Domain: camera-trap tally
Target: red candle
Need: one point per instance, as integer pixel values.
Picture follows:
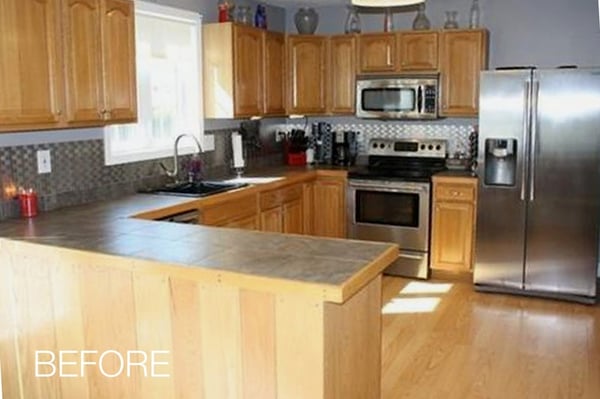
(29, 203)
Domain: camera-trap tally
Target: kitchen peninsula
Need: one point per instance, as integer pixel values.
(235, 314)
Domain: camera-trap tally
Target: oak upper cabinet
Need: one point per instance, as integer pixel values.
(282, 210)
(274, 72)
(463, 54)
(377, 52)
(329, 212)
(306, 74)
(118, 41)
(453, 223)
(30, 79)
(342, 74)
(418, 51)
(248, 64)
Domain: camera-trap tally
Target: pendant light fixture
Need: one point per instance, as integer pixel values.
(386, 3)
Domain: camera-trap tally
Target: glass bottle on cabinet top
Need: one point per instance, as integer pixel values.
(388, 21)
(421, 22)
(352, 21)
(451, 22)
(474, 15)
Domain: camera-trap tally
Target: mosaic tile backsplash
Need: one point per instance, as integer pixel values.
(79, 175)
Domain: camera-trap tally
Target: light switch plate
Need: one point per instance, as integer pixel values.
(44, 162)
(208, 144)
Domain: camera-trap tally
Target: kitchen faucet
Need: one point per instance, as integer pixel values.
(173, 173)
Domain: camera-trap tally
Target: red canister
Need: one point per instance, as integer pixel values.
(29, 203)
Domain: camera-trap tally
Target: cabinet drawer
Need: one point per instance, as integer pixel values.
(271, 199)
(454, 192)
(230, 210)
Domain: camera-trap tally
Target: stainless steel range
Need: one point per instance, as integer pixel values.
(389, 199)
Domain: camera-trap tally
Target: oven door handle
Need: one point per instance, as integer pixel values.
(410, 189)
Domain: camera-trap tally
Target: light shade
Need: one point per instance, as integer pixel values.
(385, 3)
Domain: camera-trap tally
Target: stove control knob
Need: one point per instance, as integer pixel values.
(430, 147)
(438, 147)
(423, 146)
(374, 145)
(382, 146)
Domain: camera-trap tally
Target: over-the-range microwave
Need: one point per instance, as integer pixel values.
(397, 97)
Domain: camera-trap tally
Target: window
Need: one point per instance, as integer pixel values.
(169, 86)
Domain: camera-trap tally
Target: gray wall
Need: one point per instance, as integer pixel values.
(545, 33)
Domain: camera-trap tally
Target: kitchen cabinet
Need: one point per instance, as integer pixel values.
(99, 52)
(31, 85)
(463, 54)
(274, 72)
(232, 211)
(237, 60)
(329, 212)
(342, 74)
(453, 223)
(418, 51)
(306, 74)
(308, 192)
(282, 210)
(377, 52)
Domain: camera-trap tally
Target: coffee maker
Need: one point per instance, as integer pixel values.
(344, 148)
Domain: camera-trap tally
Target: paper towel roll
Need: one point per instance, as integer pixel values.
(238, 154)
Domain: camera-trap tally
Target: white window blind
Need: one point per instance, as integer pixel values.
(169, 86)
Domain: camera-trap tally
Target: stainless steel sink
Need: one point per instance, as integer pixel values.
(198, 189)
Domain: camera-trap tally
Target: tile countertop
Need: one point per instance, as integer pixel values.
(108, 228)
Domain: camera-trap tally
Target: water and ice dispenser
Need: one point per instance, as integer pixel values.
(500, 162)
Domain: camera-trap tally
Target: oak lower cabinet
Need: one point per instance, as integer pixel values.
(418, 51)
(31, 85)
(306, 74)
(377, 52)
(329, 212)
(342, 55)
(453, 223)
(282, 210)
(240, 211)
(463, 54)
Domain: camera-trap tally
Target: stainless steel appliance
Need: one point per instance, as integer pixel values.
(389, 199)
(345, 148)
(397, 97)
(539, 202)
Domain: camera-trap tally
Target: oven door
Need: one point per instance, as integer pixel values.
(395, 212)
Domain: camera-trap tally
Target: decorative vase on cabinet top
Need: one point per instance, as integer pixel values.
(306, 20)
(421, 22)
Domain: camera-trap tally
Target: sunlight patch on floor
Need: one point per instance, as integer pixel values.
(419, 287)
(411, 305)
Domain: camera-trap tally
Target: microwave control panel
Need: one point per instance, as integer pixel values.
(430, 99)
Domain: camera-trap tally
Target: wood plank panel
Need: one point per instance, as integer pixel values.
(352, 332)
(186, 329)
(257, 312)
(221, 351)
(153, 322)
(299, 340)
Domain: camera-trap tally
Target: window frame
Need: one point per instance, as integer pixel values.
(186, 146)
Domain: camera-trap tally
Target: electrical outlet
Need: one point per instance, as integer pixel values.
(44, 162)
(208, 143)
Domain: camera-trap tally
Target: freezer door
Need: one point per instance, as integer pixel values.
(504, 115)
(563, 197)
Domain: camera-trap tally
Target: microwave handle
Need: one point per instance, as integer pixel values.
(419, 99)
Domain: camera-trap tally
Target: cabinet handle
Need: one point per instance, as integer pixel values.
(58, 112)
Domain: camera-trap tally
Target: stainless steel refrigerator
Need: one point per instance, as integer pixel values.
(538, 166)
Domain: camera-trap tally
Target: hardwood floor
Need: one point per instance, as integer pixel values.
(462, 344)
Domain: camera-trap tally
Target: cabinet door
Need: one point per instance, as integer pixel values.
(248, 61)
(272, 220)
(83, 60)
(118, 38)
(306, 74)
(293, 217)
(452, 235)
(377, 52)
(463, 54)
(329, 208)
(418, 51)
(30, 68)
(342, 73)
(274, 73)
(247, 223)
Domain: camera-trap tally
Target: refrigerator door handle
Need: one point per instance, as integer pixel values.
(526, 131)
(534, 138)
